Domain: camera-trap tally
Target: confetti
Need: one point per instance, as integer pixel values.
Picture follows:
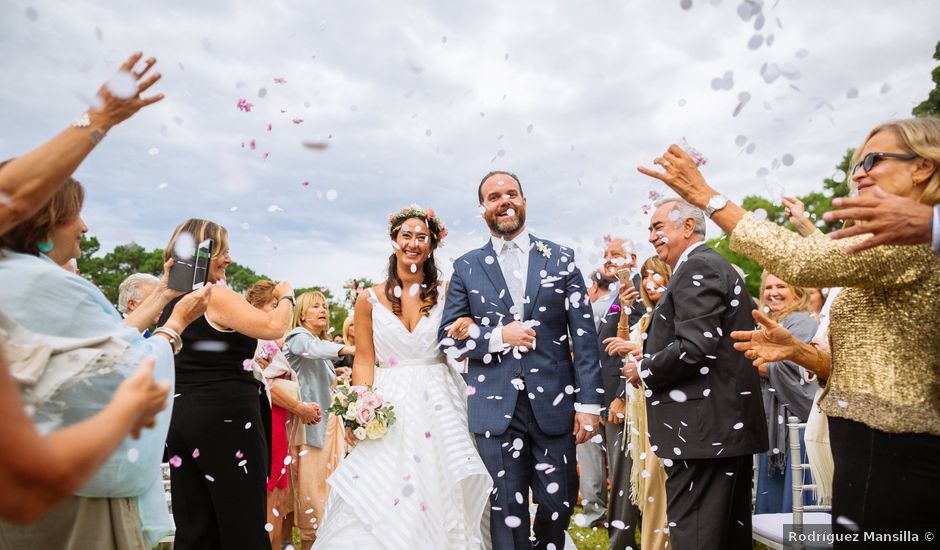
(244, 105)
(175, 461)
(331, 195)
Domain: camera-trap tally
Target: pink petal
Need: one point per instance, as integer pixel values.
(195, 453)
(176, 461)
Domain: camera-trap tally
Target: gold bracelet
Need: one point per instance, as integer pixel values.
(623, 328)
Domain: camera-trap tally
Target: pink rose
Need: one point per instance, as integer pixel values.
(360, 390)
(370, 400)
(365, 415)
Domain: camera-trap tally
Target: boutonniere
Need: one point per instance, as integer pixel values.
(546, 251)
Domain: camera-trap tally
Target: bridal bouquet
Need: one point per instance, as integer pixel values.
(363, 411)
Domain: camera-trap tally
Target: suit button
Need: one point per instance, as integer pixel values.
(517, 374)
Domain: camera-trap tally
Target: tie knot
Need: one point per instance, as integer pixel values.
(510, 245)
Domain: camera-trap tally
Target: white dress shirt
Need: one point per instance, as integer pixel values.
(524, 242)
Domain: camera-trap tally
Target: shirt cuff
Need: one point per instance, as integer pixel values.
(935, 241)
(589, 409)
(496, 340)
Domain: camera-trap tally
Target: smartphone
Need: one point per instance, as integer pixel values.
(623, 275)
(191, 273)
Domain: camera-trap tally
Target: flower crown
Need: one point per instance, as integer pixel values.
(414, 211)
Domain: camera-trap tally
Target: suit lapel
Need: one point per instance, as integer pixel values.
(533, 284)
(494, 273)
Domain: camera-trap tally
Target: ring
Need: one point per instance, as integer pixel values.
(666, 164)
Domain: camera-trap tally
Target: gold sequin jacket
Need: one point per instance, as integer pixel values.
(884, 326)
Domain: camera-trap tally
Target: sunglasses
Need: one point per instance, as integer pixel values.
(873, 158)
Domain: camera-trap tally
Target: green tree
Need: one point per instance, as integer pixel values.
(931, 105)
(108, 271)
(815, 203)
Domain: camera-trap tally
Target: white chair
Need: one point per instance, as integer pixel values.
(768, 529)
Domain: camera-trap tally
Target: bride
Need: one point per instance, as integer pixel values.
(423, 484)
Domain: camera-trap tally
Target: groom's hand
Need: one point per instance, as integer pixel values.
(585, 426)
(515, 334)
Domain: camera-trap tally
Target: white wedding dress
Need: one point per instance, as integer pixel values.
(423, 485)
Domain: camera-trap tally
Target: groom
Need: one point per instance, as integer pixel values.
(531, 402)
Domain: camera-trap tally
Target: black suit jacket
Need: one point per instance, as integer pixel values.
(611, 365)
(706, 400)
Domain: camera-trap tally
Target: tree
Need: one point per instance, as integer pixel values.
(931, 105)
(109, 271)
(816, 203)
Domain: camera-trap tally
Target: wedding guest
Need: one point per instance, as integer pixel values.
(647, 476)
(288, 417)
(623, 517)
(343, 366)
(124, 503)
(311, 355)
(884, 331)
(699, 387)
(785, 393)
(592, 472)
(134, 290)
(216, 441)
(27, 182)
(816, 299)
(36, 471)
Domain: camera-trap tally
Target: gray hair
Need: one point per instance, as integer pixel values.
(686, 211)
(130, 289)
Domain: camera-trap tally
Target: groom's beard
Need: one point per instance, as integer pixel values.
(507, 227)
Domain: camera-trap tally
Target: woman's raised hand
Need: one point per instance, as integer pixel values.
(121, 96)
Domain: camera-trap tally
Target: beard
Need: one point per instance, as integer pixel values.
(605, 279)
(507, 227)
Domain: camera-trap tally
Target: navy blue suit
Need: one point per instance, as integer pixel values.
(524, 436)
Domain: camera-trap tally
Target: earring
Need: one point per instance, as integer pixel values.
(45, 246)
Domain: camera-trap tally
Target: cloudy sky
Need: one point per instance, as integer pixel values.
(417, 100)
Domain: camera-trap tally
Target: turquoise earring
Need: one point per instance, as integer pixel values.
(45, 246)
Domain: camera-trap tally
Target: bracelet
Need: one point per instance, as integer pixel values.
(289, 298)
(176, 341)
(623, 328)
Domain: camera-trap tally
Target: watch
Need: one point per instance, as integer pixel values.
(716, 203)
(289, 299)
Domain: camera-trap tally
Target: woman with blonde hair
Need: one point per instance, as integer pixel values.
(883, 371)
(648, 477)
(311, 354)
(216, 442)
(785, 392)
(289, 415)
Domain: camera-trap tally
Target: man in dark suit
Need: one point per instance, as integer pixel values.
(705, 414)
(533, 399)
(623, 518)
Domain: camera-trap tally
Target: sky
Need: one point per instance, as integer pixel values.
(418, 100)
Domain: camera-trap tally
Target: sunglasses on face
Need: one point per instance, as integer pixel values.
(871, 159)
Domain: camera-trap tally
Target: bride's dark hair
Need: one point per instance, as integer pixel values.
(429, 290)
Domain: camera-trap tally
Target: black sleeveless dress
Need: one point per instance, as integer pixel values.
(217, 439)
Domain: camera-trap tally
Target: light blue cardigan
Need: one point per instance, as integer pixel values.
(46, 299)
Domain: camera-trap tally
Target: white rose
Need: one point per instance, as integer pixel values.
(375, 429)
(360, 433)
(352, 411)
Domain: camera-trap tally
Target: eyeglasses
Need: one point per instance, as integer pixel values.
(873, 158)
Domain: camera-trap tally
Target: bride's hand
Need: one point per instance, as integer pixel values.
(460, 330)
(350, 438)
